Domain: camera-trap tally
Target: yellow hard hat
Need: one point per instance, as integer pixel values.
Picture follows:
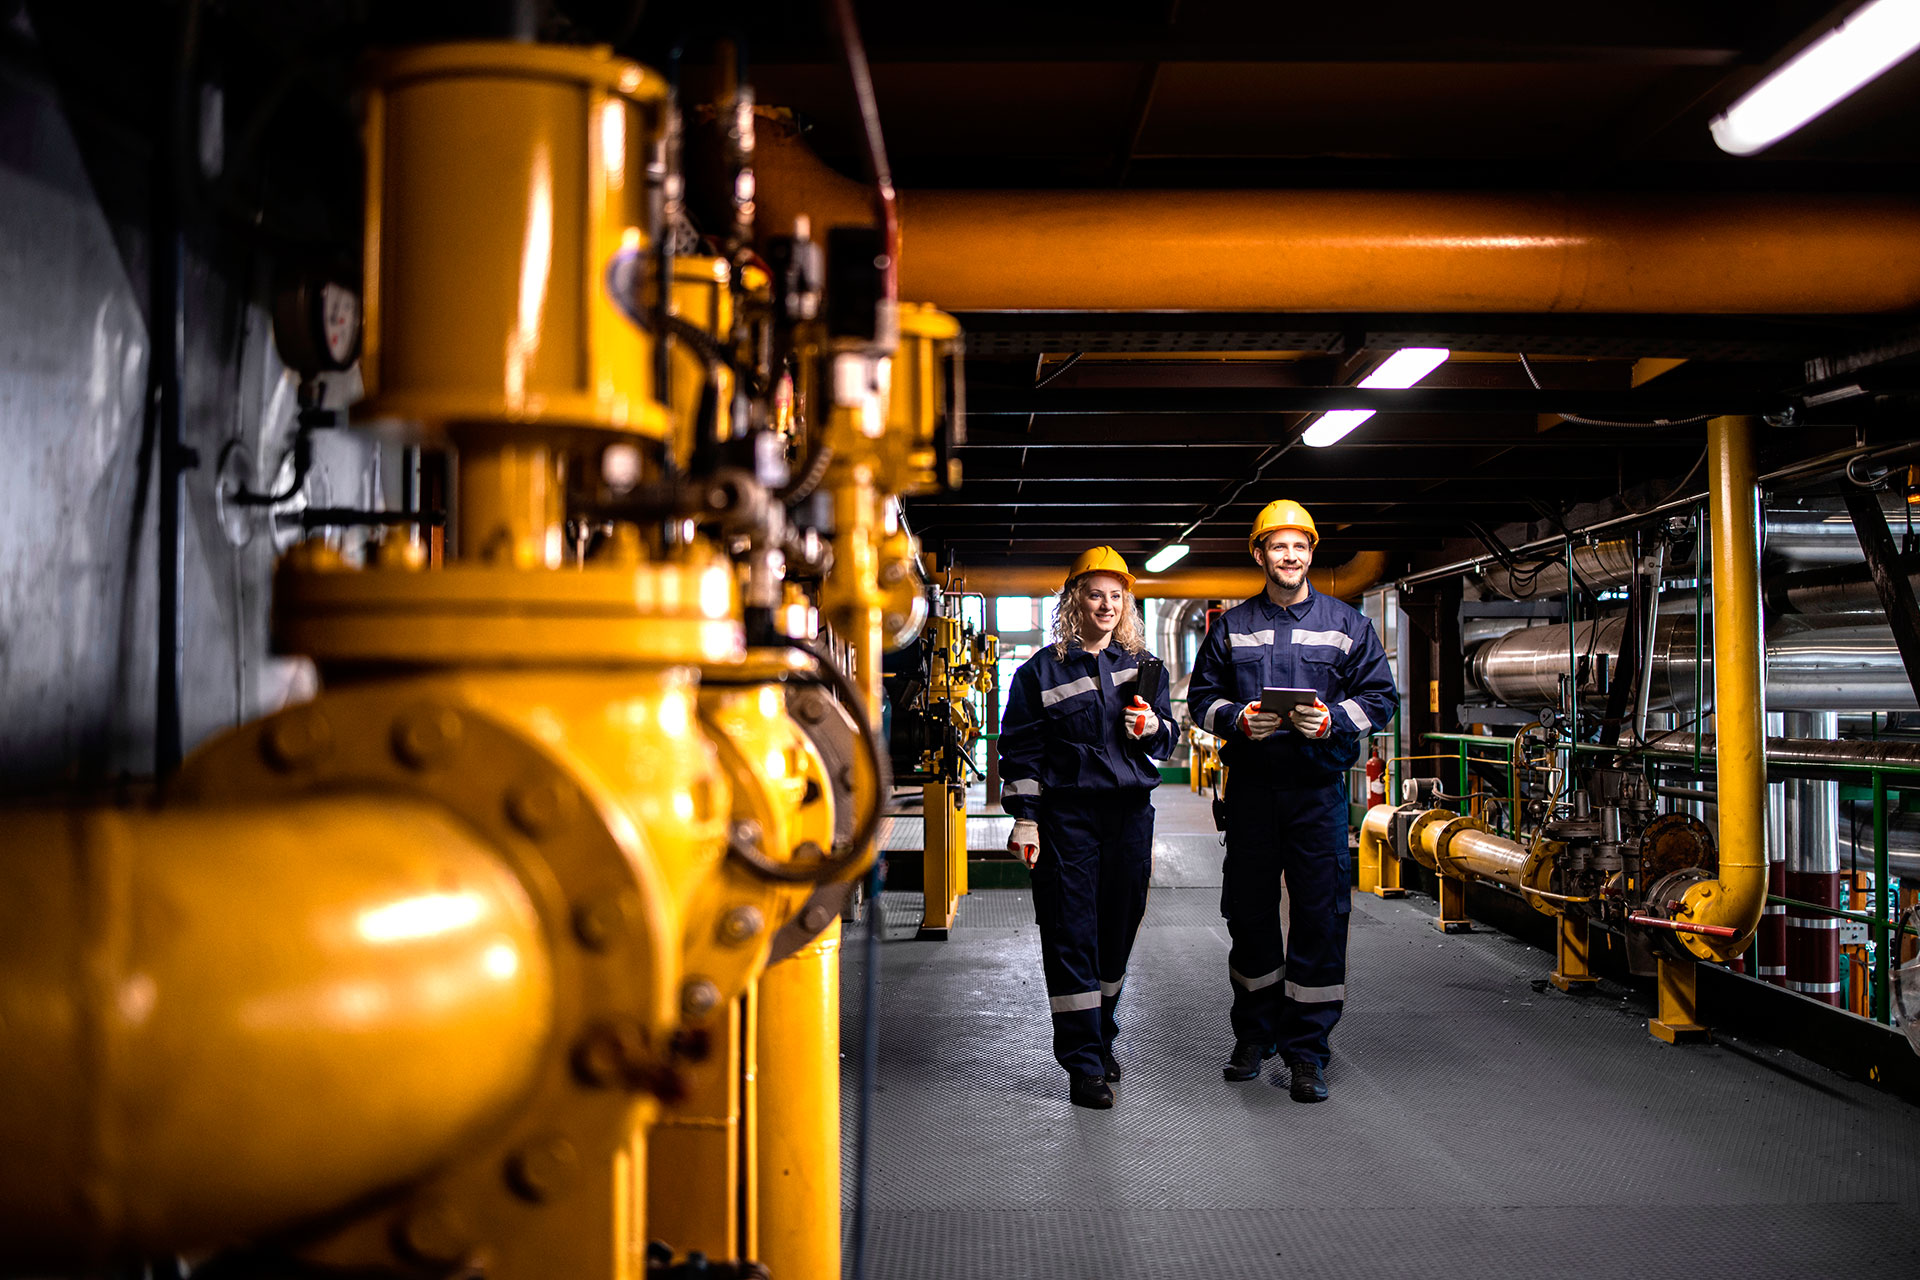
(1282, 513)
(1101, 560)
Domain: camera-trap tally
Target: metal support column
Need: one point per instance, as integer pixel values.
(1573, 953)
(944, 862)
(1678, 1019)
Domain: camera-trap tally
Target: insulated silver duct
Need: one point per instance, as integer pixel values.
(1854, 669)
(1812, 804)
(1822, 533)
(1601, 567)
(1903, 841)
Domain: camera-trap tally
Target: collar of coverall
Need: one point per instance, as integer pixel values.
(1292, 612)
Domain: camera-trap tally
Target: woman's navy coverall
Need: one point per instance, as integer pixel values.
(1287, 807)
(1068, 765)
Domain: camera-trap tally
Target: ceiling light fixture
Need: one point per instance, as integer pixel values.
(1402, 369)
(1166, 557)
(1873, 38)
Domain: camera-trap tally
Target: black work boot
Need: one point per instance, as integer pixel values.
(1112, 1064)
(1308, 1083)
(1246, 1059)
(1089, 1091)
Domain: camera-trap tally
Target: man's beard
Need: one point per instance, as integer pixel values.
(1273, 576)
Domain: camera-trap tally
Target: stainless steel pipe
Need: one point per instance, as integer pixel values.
(1851, 669)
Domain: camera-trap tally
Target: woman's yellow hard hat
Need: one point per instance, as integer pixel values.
(1282, 513)
(1101, 560)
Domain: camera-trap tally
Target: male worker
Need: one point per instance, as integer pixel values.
(1286, 795)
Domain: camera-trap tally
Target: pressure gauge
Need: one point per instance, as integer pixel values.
(339, 323)
(316, 321)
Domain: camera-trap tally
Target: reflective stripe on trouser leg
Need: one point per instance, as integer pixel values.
(1250, 890)
(1084, 861)
(1318, 875)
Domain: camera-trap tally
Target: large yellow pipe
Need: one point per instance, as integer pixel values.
(799, 1110)
(222, 1021)
(1379, 251)
(1343, 581)
(1733, 496)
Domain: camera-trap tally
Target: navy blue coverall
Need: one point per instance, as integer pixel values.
(1287, 807)
(1068, 765)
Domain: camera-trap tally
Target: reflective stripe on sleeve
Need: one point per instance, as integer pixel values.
(1333, 639)
(1250, 639)
(1075, 1003)
(1022, 787)
(1355, 714)
(1208, 717)
(1316, 995)
(1071, 689)
(1112, 989)
(1245, 983)
(1121, 677)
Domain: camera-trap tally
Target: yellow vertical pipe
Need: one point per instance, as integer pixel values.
(798, 1111)
(1737, 897)
(511, 505)
(693, 1153)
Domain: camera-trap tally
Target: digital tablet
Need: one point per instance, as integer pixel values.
(1281, 701)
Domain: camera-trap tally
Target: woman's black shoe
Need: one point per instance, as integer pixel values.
(1246, 1059)
(1090, 1091)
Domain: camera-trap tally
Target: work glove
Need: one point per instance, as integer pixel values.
(1312, 722)
(1257, 724)
(1140, 720)
(1025, 841)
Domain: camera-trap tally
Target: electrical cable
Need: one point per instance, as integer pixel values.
(873, 144)
(1608, 422)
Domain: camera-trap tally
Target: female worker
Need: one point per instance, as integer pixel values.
(1076, 754)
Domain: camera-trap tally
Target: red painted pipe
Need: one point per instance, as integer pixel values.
(1813, 939)
(1710, 930)
(1773, 928)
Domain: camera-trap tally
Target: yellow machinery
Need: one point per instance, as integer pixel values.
(961, 662)
(516, 948)
(1602, 853)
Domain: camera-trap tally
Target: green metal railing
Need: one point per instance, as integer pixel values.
(1882, 780)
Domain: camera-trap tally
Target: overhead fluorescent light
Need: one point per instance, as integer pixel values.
(1166, 557)
(1404, 368)
(1873, 38)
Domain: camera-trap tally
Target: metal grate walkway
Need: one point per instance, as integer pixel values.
(1477, 1126)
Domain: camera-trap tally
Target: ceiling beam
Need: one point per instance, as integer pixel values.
(1646, 403)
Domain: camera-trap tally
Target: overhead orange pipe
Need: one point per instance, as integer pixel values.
(1342, 581)
(1379, 251)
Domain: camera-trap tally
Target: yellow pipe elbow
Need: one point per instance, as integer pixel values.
(224, 1020)
(1737, 898)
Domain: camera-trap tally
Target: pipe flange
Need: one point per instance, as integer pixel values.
(1537, 875)
(1666, 900)
(1444, 837)
(1675, 842)
(613, 954)
(1417, 844)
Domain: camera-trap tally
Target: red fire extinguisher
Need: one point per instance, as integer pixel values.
(1376, 777)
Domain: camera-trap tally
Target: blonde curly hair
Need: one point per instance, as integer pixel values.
(1070, 623)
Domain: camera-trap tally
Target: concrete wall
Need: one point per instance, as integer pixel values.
(77, 483)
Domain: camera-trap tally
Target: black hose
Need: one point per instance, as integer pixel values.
(869, 1067)
(170, 176)
(863, 832)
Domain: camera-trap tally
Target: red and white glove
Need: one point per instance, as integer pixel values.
(1257, 724)
(1140, 720)
(1025, 841)
(1312, 722)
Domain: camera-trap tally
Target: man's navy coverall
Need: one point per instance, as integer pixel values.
(1287, 807)
(1068, 765)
